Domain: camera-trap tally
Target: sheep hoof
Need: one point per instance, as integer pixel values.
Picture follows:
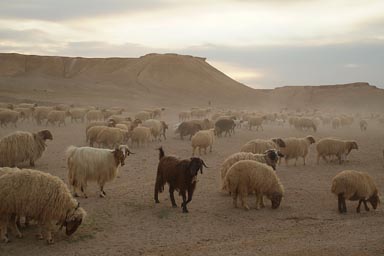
(102, 195)
(174, 205)
(50, 241)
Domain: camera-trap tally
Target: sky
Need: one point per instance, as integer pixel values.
(261, 43)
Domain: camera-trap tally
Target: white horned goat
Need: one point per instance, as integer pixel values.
(93, 164)
(20, 146)
(40, 196)
(296, 147)
(334, 147)
(354, 185)
(248, 176)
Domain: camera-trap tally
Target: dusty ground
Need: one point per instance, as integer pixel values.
(128, 222)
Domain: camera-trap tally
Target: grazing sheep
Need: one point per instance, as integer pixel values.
(256, 121)
(19, 147)
(9, 116)
(188, 128)
(334, 147)
(110, 137)
(93, 164)
(40, 196)
(363, 125)
(259, 146)
(296, 147)
(57, 116)
(203, 139)
(92, 133)
(180, 174)
(141, 135)
(110, 123)
(41, 113)
(270, 157)
(354, 185)
(94, 115)
(248, 176)
(78, 114)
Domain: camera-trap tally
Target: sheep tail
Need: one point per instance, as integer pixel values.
(161, 153)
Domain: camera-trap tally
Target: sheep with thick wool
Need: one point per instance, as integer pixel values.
(296, 147)
(155, 126)
(94, 115)
(256, 121)
(94, 164)
(110, 137)
(41, 113)
(354, 185)
(203, 139)
(269, 157)
(57, 116)
(334, 147)
(78, 114)
(9, 116)
(248, 176)
(40, 196)
(259, 146)
(140, 135)
(20, 146)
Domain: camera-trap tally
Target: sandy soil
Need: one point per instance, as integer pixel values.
(128, 222)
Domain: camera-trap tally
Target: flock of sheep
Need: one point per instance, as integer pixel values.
(252, 170)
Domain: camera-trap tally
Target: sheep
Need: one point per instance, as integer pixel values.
(269, 157)
(40, 196)
(6, 105)
(110, 123)
(164, 127)
(143, 115)
(111, 137)
(259, 146)
(354, 185)
(184, 115)
(41, 113)
(57, 116)
(336, 123)
(334, 147)
(363, 125)
(296, 147)
(188, 128)
(203, 139)
(248, 176)
(180, 174)
(93, 164)
(25, 113)
(94, 115)
(226, 125)
(256, 121)
(78, 114)
(9, 116)
(20, 146)
(140, 135)
(155, 126)
(26, 105)
(305, 124)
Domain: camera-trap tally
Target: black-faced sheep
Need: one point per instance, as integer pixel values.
(247, 176)
(334, 147)
(180, 174)
(93, 164)
(354, 185)
(40, 196)
(21, 146)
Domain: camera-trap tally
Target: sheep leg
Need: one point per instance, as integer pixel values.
(172, 196)
(210, 148)
(102, 192)
(32, 163)
(3, 230)
(358, 206)
(365, 205)
(199, 151)
(83, 188)
(243, 199)
(184, 204)
(234, 197)
(14, 227)
(341, 203)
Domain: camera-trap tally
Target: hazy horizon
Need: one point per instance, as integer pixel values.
(262, 44)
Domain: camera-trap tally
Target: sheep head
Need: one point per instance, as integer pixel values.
(374, 200)
(119, 155)
(310, 139)
(196, 164)
(276, 199)
(45, 135)
(351, 145)
(73, 219)
(271, 157)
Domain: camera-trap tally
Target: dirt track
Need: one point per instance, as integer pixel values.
(127, 221)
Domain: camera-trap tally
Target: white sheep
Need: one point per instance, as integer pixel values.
(93, 164)
(155, 126)
(110, 137)
(334, 147)
(203, 139)
(78, 114)
(248, 176)
(259, 146)
(269, 157)
(20, 146)
(41, 113)
(256, 121)
(57, 116)
(363, 125)
(353, 185)
(143, 115)
(296, 147)
(9, 116)
(94, 115)
(141, 135)
(40, 196)
(25, 113)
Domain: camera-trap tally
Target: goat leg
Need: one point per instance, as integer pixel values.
(172, 196)
(365, 205)
(184, 204)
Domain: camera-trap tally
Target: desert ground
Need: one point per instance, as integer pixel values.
(128, 222)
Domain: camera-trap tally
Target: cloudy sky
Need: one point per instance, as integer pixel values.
(261, 43)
